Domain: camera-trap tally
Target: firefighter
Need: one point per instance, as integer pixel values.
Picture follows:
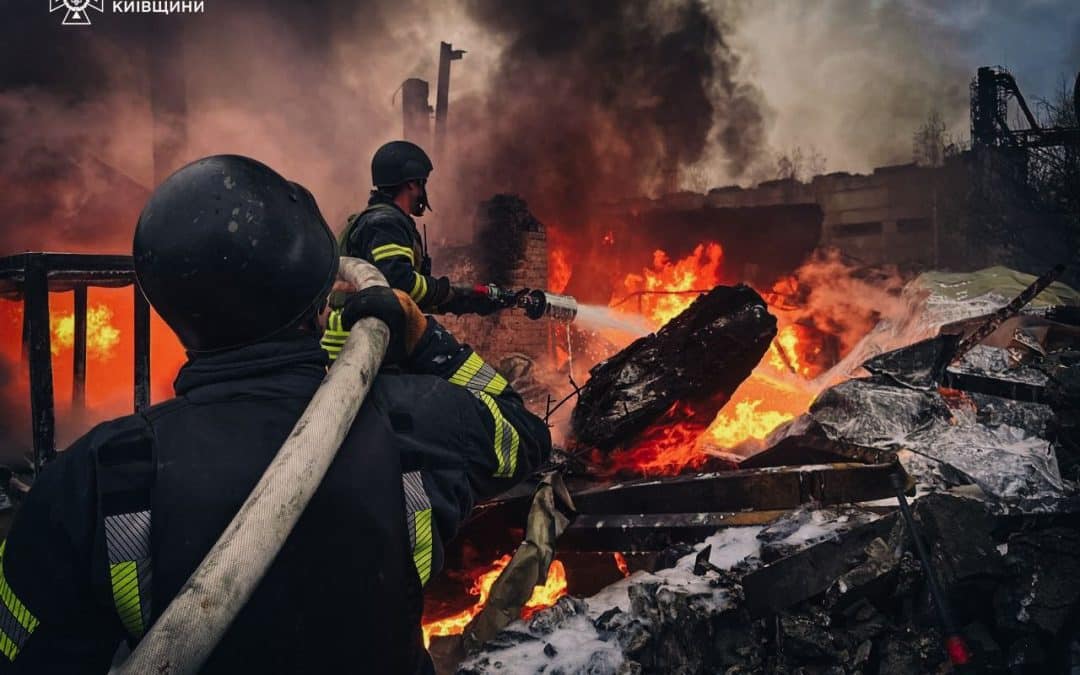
(238, 262)
(385, 233)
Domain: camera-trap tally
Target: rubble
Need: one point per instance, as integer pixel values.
(1003, 445)
(1014, 586)
(791, 586)
(698, 358)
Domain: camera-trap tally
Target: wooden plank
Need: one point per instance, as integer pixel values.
(808, 573)
(748, 489)
(653, 532)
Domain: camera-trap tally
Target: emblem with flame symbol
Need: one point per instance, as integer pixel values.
(75, 11)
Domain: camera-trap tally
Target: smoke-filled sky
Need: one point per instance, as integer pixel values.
(568, 103)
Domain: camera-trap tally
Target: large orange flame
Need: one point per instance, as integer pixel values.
(778, 390)
(662, 292)
(483, 578)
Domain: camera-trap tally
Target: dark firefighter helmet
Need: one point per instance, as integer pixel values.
(399, 162)
(229, 253)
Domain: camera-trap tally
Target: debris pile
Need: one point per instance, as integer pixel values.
(990, 438)
(852, 600)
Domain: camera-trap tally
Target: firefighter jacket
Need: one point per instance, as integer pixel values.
(386, 236)
(113, 528)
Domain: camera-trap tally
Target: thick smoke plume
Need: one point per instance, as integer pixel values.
(597, 101)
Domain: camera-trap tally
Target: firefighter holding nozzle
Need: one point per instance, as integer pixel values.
(385, 233)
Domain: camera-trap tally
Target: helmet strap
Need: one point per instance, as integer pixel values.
(425, 205)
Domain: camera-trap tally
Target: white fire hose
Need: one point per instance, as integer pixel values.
(191, 626)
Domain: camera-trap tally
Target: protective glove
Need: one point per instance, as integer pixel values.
(395, 308)
(467, 302)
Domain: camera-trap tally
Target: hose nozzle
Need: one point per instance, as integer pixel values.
(552, 305)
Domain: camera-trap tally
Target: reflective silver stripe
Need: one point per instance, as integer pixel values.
(419, 519)
(14, 630)
(416, 500)
(127, 543)
(476, 375)
(127, 536)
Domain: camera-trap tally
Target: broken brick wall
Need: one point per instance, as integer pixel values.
(506, 333)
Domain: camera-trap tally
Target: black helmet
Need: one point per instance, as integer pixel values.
(230, 253)
(399, 162)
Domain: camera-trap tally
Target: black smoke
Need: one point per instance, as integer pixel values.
(591, 103)
(597, 101)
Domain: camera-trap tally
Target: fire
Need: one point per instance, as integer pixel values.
(102, 336)
(558, 270)
(110, 361)
(543, 596)
(547, 595)
(665, 290)
(667, 447)
(746, 422)
(778, 390)
(560, 261)
(620, 562)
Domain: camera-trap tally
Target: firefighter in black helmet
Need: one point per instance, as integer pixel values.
(385, 234)
(239, 261)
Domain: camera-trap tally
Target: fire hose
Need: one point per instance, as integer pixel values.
(189, 629)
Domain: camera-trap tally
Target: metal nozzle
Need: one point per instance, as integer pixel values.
(559, 307)
(538, 304)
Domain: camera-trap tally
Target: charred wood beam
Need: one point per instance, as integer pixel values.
(142, 350)
(809, 573)
(78, 360)
(757, 489)
(993, 386)
(814, 448)
(653, 532)
(700, 357)
(36, 308)
(65, 271)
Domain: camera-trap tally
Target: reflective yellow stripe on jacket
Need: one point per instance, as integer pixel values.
(419, 288)
(16, 621)
(476, 375)
(392, 251)
(506, 439)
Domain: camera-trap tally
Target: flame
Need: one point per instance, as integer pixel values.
(778, 390)
(746, 422)
(109, 362)
(663, 291)
(542, 596)
(102, 336)
(667, 447)
(547, 595)
(620, 562)
(558, 270)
